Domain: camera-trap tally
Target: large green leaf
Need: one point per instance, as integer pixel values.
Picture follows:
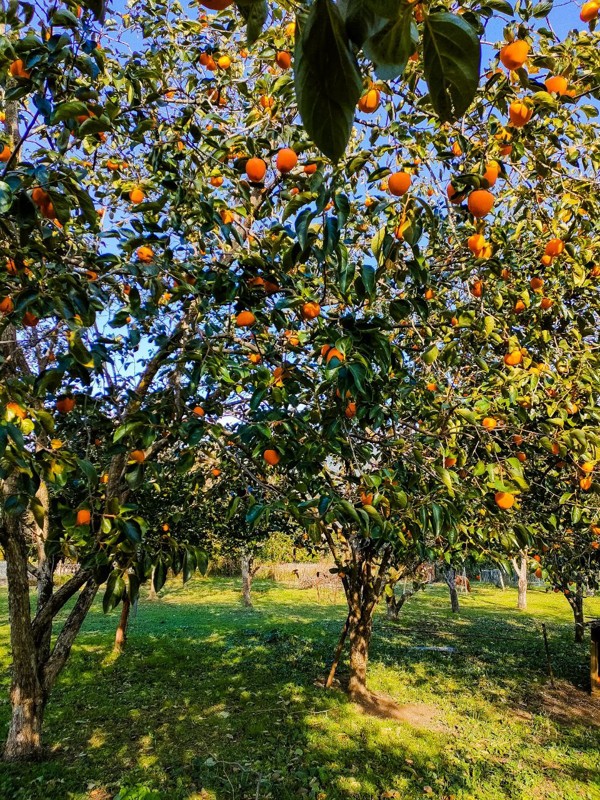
(327, 79)
(361, 20)
(255, 13)
(452, 58)
(392, 46)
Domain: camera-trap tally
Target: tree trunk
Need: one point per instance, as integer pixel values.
(576, 602)
(45, 569)
(338, 653)
(520, 567)
(247, 579)
(450, 577)
(121, 634)
(391, 607)
(26, 695)
(500, 580)
(152, 594)
(360, 638)
(24, 740)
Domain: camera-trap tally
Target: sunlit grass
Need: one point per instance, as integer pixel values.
(212, 701)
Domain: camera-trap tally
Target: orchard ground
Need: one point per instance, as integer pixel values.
(212, 701)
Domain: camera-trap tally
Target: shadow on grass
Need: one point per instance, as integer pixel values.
(218, 702)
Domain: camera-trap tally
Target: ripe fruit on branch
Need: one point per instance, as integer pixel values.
(520, 113)
(334, 353)
(310, 310)
(66, 404)
(245, 319)
(83, 517)
(369, 102)
(17, 69)
(589, 11)
(286, 160)
(514, 54)
(145, 254)
(271, 456)
(480, 202)
(136, 195)
(256, 170)
(557, 84)
(513, 359)
(504, 500)
(554, 247)
(283, 59)
(399, 183)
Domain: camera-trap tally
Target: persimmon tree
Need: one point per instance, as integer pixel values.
(383, 323)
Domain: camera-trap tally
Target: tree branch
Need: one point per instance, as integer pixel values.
(66, 637)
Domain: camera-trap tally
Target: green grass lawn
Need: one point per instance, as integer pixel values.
(215, 702)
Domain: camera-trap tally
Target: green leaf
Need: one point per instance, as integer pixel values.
(160, 575)
(97, 7)
(6, 197)
(392, 46)
(362, 21)
(233, 507)
(255, 15)
(383, 8)
(349, 509)
(115, 586)
(69, 110)
(38, 511)
(201, 560)
(446, 479)
(429, 356)
(451, 58)
(502, 6)
(377, 242)
(367, 273)
(327, 79)
(88, 470)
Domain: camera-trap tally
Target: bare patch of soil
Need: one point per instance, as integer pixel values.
(382, 706)
(419, 715)
(569, 705)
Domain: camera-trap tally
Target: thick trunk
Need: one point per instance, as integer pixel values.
(26, 695)
(520, 567)
(24, 740)
(247, 579)
(360, 638)
(121, 634)
(450, 577)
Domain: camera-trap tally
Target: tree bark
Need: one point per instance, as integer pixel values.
(520, 567)
(576, 603)
(360, 638)
(450, 577)
(391, 607)
(45, 569)
(121, 633)
(247, 579)
(27, 698)
(338, 653)
(152, 593)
